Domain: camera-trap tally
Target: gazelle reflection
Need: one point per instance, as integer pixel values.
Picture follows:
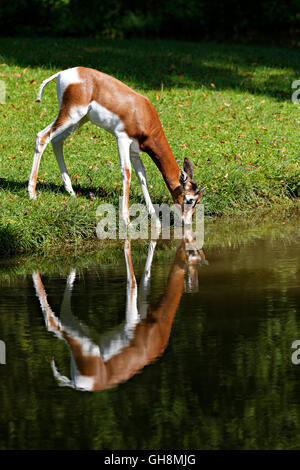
(137, 342)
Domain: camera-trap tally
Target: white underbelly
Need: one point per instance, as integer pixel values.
(104, 118)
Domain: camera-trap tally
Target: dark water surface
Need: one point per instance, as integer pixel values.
(208, 366)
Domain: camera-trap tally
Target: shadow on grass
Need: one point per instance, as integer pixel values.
(87, 192)
(148, 64)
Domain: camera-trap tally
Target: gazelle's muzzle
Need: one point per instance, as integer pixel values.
(187, 214)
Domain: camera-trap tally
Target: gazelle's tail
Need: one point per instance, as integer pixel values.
(39, 96)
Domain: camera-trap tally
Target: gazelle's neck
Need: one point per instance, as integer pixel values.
(159, 150)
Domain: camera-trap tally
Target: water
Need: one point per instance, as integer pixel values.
(208, 366)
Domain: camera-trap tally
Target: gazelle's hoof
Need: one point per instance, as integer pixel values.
(157, 223)
(126, 221)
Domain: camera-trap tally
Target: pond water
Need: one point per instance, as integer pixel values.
(155, 349)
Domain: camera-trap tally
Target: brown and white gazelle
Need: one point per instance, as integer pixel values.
(141, 339)
(86, 94)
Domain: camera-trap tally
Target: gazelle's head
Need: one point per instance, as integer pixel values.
(190, 194)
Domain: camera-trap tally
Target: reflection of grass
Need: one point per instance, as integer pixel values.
(227, 108)
(224, 232)
(279, 224)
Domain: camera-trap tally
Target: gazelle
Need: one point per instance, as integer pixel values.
(86, 94)
(137, 342)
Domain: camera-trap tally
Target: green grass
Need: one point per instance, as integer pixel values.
(226, 107)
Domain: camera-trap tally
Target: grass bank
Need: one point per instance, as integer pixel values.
(226, 107)
(231, 233)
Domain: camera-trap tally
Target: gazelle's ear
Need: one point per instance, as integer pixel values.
(188, 168)
(201, 193)
(183, 177)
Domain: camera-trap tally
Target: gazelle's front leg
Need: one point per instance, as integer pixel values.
(132, 315)
(145, 282)
(124, 153)
(141, 174)
(66, 302)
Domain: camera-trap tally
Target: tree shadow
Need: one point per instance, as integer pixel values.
(150, 63)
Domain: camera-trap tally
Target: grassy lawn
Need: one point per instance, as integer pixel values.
(226, 107)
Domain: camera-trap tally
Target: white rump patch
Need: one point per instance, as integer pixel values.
(64, 79)
(84, 382)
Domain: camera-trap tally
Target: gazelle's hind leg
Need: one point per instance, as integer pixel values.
(57, 145)
(58, 130)
(58, 151)
(42, 140)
